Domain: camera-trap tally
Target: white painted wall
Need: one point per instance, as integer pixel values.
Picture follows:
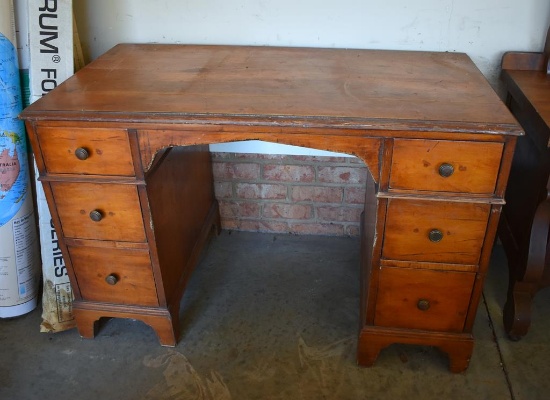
(483, 29)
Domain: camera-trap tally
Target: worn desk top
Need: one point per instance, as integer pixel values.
(362, 89)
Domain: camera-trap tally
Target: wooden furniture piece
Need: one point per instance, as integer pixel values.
(524, 228)
(120, 150)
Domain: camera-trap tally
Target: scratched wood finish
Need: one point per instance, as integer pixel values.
(108, 150)
(385, 107)
(281, 86)
(416, 163)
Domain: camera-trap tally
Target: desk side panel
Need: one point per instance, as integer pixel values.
(181, 198)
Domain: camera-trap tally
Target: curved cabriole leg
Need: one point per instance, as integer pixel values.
(521, 291)
(517, 313)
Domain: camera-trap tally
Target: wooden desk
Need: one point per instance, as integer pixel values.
(121, 150)
(524, 228)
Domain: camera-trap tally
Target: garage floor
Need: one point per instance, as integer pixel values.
(272, 317)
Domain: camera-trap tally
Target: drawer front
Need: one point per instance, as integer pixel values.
(443, 166)
(435, 231)
(423, 299)
(99, 211)
(114, 275)
(86, 151)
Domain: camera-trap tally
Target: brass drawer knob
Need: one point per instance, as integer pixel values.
(435, 235)
(96, 215)
(111, 279)
(423, 304)
(446, 170)
(81, 153)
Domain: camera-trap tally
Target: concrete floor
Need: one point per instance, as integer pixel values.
(272, 317)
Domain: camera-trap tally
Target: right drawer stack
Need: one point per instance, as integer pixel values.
(434, 232)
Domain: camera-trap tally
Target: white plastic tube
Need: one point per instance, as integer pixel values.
(19, 256)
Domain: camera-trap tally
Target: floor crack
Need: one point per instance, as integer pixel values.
(495, 339)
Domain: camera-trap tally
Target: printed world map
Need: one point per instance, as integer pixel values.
(9, 168)
(13, 150)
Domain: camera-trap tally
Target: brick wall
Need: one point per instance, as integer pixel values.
(290, 194)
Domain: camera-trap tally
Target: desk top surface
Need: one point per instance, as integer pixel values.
(364, 89)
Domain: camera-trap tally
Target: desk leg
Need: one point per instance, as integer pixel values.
(372, 340)
(87, 316)
(522, 289)
(517, 310)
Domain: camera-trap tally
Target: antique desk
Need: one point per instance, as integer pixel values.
(524, 227)
(122, 152)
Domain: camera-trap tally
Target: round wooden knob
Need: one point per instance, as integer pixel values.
(96, 215)
(435, 235)
(446, 170)
(81, 153)
(111, 279)
(423, 304)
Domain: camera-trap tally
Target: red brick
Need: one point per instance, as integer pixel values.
(277, 157)
(223, 190)
(229, 170)
(339, 214)
(317, 229)
(288, 211)
(342, 175)
(319, 194)
(273, 226)
(249, 224)
(217, 155)
(230, 224)
(354, 195)
(289, 173)
(320, 159)
(255, 225)
(239, 209)
(260, 191)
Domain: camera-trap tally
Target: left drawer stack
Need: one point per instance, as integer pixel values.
(91, 179)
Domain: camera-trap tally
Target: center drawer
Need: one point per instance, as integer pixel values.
(99, 211)
(435, 231)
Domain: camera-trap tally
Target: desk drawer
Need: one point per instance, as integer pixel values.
(435, 231)
(86, 151)
(444, 166)
(423, 299)
(99, 211)
(114, 275)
